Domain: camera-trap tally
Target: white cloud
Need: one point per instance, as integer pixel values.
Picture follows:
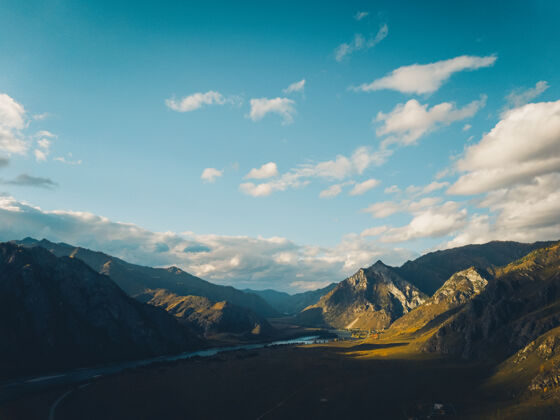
(211, 174)
(338, 169)
(360, 15)
(295, 87)
(374, 231)
(393, 189)
(12, 113)
(427, 78)
(236, 260)
(383, 209)
(62, 159)
(196, 101)
(281, 106)
(360, 43)
(519, 97)
(268, 170)
(332, 191)
(523, 145)
(525, 213)
(12, 121)
(431, 187)
(432, 222)
(40, 155)
(467, 127)
(365, 186)
(406, 123)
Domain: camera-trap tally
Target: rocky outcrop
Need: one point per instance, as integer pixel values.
(430, 271)
(370, 299)
(455, 292)
(521, 303)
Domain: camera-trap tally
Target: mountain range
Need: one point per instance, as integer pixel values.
(136, 279)
(56, 312)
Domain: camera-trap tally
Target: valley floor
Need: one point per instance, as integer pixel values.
(359, 379)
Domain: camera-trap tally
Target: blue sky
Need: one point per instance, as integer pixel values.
(102, 136)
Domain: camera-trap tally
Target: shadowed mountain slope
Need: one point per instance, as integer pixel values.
(430, 271)
(135, 279)
(58, 313)
(370, 299)
(521, 303)
(209, 317)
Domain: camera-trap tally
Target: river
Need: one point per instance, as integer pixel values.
(20, 387)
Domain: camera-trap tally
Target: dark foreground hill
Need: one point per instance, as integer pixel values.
(210, 318)
(135, 279)
(56, 312)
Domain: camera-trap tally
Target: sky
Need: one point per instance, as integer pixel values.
(279, 144)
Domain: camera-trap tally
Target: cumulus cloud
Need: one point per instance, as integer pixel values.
(520, 97)
(25, 180)
(427, 78)
(337, 169)
(360, 43)
(295, 87)
(523, 145)
(364, 186)
(12, 121)
(281, 106)
(406, 123)
(384, 209)
(197, 100)
(525, 213)
(268, 170)
(240, 261)
(211, 174)
(430, 222)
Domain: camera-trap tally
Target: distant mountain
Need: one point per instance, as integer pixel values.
(210, 318)
(430, 271)
(135, 279)
(521, 303)
(56, 312)
(291, 304)
(370, 299)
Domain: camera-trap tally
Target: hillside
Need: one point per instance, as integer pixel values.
(431, 270)
(210, 318)
(56, 312)
(370, 299)
(455, 292)
(521, 303)
(135, 279)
